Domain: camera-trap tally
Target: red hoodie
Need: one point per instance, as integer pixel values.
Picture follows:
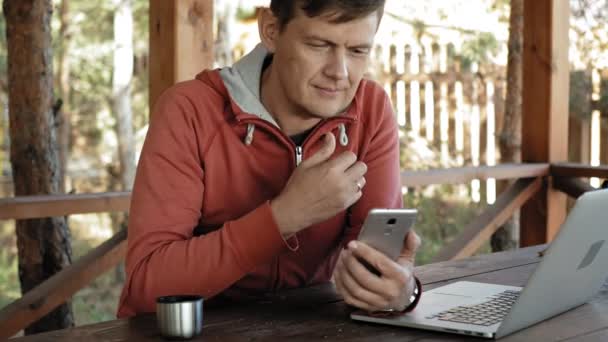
(208, 164)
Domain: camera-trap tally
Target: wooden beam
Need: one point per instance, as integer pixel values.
(461, 175)
(572, 187)
(29, 207)
(545, 110)
(578, 170)
(181, 42)
(57, 289)
(482, 228)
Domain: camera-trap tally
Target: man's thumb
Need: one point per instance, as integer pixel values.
(323, 154)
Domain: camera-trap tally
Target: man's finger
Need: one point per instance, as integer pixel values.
(356, 171)
(352, 301)
(343, 161)
(324, 153)
(410, 246)
(359, 286)
(354, 198)
(377, 259)
(364, 276)
(338, 283)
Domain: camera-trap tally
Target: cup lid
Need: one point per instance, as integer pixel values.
(178, 299)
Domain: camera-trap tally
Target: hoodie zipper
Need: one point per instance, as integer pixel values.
(298, 150)
(299, 155)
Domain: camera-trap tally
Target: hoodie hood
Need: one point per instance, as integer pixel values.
(242, 83)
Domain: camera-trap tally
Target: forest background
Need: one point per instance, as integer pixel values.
(100, 46)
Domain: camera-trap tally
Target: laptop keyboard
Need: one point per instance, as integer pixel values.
(484, 314)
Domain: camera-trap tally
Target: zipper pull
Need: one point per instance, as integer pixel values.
(299, 154)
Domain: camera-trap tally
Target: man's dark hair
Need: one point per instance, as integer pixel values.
(345, 10)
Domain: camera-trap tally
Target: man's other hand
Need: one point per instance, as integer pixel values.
(390, 290)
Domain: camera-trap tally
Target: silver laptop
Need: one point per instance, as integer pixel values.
(573, 270)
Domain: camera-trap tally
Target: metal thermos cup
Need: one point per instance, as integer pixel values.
(179, 317)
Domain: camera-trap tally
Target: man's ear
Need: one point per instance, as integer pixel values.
(268, 27)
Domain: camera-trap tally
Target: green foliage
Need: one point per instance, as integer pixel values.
(90, 56)
(588, 23)
(94, 303)
(479, 49)
(441, 217)
(97, 302)
(580, 93)
(245, 13)
(603, 103)
(9, 282)
(443, 211)
(503, 7)
(2, 49)
(91, 63)
(420, 28)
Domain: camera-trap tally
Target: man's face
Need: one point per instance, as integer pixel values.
(320, 64)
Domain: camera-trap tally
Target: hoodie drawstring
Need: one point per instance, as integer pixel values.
(249, 136)
(343, 136)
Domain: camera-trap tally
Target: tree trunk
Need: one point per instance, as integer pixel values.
(43, 244)
(123, 74)
(225, 19)
(509, 139)
(5, 189)
(63, 83)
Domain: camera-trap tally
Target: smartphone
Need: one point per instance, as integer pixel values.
(385, 229)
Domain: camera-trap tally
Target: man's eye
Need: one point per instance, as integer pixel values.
(361, 52)
(317, 45)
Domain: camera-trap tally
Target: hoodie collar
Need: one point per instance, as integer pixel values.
(242, 81)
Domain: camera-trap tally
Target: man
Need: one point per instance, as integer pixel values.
(258, 177)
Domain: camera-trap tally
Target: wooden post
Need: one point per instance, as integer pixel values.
(181, 42)
(545, 110)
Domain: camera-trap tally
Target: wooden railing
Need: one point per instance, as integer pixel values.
(38, 302)
(529, 179)
(463, 175)
(28, 207)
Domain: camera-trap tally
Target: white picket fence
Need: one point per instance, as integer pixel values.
(452, 108)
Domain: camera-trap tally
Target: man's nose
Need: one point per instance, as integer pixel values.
(337, 67)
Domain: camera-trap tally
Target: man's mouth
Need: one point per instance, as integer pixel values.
(329, 91)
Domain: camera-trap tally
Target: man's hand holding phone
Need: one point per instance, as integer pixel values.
(390, 290)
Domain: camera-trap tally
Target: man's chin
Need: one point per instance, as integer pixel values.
(328, 113)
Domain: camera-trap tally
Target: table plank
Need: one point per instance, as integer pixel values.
(318, 314)
(601, 335)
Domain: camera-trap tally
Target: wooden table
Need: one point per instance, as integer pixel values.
(318, 314)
